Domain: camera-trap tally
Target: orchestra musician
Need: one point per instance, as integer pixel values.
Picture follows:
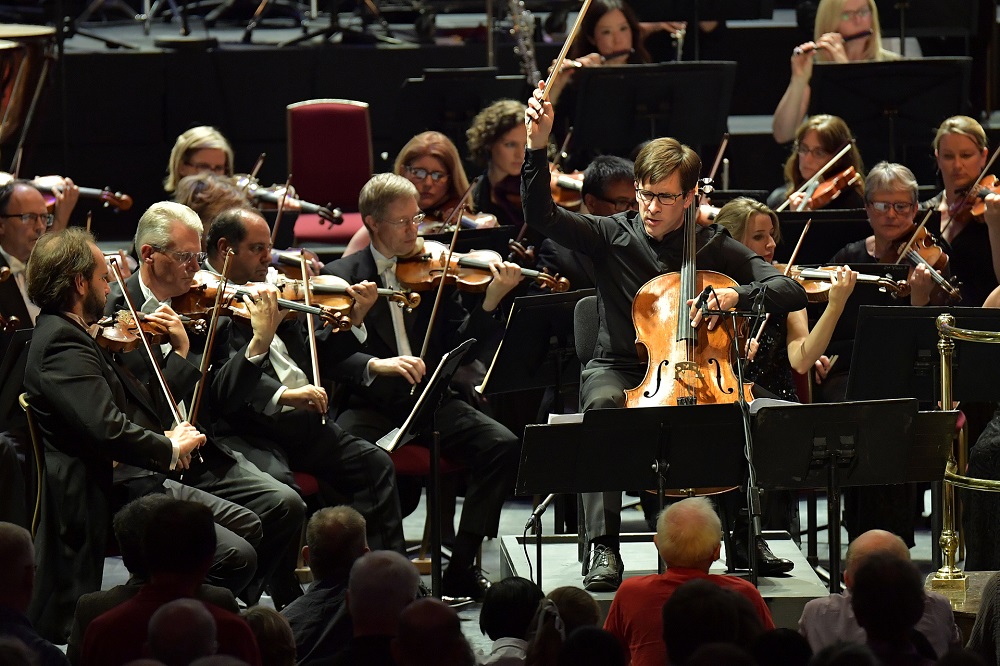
(837, 28)
(628, 249)
(818, 139)
(279, 427)
(377, 380)
(431, 162)
(496, 142)
(24, 217)
(168, 243)
(198, 150)
(91, 411)
(961, 149)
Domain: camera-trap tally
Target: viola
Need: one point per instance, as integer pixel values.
(566, 187)
(924, 250)
(469, 271)
(199, 301)
(817, 282)
(331, 291)
(829, 189)
(440, 221)
(46, 184)
(272, 197)
(119, 334)
(972, 206)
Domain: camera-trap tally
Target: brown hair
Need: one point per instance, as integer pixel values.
(55, 262)
(964, 125)
(489, 125)
(833, 135)
(659, 158)
(436, 145)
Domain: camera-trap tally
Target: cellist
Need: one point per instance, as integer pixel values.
(628, 249)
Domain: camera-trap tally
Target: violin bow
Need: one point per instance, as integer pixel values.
(311, 328)
(557, 65)
(206, 358)
(90, 217)
(444, 269)
(174, 410)
(905, 250)
(718, 156)
(256, 168)
(281, 209)
(816, 176)
(751, 352)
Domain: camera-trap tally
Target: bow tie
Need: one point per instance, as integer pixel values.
(385, 264)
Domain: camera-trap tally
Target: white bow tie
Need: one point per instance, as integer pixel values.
(384, 264)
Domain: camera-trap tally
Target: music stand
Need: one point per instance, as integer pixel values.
(722, 197)
(660, 452)
(830, 231)
(924, 18)
(893, 105)
(685, 100)
(12, 366)
(537, 348)
(837, 445)
(421, 420)
(447, 100)
(492, 238)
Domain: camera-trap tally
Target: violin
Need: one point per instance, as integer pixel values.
(923, 249)
(469, 271)
(273, 196)
(331, 291)
(972, 206)
(566, 188)
(439, 221)
(199, 302)
(119, 334)
(46, 184)
(830, 189)
(817, 282)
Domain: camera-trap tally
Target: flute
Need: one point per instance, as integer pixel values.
(809, 48)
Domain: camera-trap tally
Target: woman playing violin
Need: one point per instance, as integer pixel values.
(817, 140)
(961, 150)
(845, 31)
(496, 141)
(891, 204)
(787, 343)
(198, 150)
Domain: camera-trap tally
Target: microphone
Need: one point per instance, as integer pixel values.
(702, 300)
(536, 515)
(799, 50)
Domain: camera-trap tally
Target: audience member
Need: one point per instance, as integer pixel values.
(559, 614)
(17, 582)
(984, 639)
(700, 612)
(178, 545)
(781, 647)
(381, 585)
(181, 631)
(720, 654)
(845, 654)
(274, 636)
(591, 646)
(13, 652)
(429, 634)
(129, 525)
(888, 600)
(506, 614)
(961, 658)
(335, 538)
(830, 619)
(689, 539)
(219, 660)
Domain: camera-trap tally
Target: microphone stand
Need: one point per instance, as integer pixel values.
(535, 521)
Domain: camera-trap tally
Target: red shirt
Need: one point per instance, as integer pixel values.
(636, 616)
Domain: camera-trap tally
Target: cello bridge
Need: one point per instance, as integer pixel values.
(682, 367)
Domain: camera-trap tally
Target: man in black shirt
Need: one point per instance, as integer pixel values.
(628, 249)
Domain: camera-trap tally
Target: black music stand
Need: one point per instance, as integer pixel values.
(924, 18)
(12, 364)
(421, 420)
(893, 106)
(447, 100)
(686, 100)
(837, 445)
(668, 447)
(537, 347)
(491, 238)
(830, 231)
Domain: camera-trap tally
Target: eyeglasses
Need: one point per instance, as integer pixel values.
(623, 204)
(204, 166)
(901, 207)
(182, 257)
(862, 13)
(421, 173)
(664, 198)
(818, 153)
(34, 218)
(415, 221)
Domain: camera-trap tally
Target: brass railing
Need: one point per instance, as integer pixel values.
(950, 576)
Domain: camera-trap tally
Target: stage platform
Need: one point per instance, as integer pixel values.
(785, 595)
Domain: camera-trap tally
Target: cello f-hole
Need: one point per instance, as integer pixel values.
(659, 371)
(718, 376)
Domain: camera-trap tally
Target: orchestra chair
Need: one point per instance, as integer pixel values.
(38, 453)
(415, 461)
(330, 159)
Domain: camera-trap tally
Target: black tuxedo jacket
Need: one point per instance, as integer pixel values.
(453, 326)
(11, 301)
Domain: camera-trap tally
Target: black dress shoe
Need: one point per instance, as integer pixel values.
(605, 572)
(768, 564)
(469, 582)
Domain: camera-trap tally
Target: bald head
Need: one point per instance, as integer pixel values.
(182, 631)
(869, 543)
(689, 534)
(17, 566)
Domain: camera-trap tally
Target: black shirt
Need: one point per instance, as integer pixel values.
(970, 257)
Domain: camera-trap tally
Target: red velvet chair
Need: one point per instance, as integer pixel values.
(330, 159)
